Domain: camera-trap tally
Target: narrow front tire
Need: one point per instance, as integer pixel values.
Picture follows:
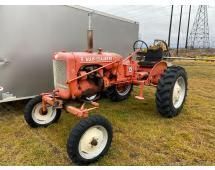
(89, 140)
(36, 118)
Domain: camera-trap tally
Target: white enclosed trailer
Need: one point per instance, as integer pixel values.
(30, 35)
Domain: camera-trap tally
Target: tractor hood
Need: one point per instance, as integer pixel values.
(87, 57)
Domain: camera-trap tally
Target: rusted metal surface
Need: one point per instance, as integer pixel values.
(90, 40)
(114, 70)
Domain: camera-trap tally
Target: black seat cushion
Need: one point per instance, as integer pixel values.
(152, 57)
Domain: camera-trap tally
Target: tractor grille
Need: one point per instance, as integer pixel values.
(60, 79)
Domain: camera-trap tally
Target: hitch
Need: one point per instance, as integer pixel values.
(82, 111)
(51, 99)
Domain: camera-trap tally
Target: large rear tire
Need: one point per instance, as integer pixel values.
(35, 118)
(117, 93)
(89, 140)
(171, 91)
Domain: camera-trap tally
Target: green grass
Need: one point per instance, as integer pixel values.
(141, 135)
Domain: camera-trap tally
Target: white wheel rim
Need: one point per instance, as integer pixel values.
(178, 92)
(43, 118)
(91, 97)
(125, 91)
(93, 142)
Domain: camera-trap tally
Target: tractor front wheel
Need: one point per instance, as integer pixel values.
(89, 140)
(171, 91)
(34, 115)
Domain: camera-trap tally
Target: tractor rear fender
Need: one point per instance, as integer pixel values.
(155, 73)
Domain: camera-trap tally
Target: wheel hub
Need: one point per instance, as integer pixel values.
(179, 92)
(43, 112)
(93, 141)
(41, 117)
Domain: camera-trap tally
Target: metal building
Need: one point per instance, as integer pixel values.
(31, 34)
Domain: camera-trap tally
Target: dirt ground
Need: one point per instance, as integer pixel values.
(141, 135)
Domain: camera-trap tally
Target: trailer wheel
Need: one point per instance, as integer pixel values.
(117, 93)
(171, 91)
(89, 140)
(34, 116)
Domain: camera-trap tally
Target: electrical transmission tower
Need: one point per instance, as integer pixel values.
(199, 35)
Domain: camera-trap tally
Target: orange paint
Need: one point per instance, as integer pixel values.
(111, 69)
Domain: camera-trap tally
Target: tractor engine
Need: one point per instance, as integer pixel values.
(92, 83)
(71, 73)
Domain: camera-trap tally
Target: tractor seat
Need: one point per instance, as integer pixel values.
(152, 57)
(142, 75)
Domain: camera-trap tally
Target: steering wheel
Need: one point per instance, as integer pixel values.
(139, 44)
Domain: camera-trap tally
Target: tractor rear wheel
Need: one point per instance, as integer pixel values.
(35, 118)
(119, 93)
(171, 91)
(89, 140)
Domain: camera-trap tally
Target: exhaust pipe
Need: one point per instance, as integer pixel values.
(90, 33)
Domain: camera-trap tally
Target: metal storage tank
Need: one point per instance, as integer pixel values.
(31, 34)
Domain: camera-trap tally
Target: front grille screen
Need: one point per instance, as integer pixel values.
(59, 67)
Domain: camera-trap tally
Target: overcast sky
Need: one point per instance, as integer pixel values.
(154, 20)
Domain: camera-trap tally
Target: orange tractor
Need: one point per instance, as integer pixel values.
(82, 76)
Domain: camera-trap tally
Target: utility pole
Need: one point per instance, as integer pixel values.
(179, 30)
(170, 26)
(188, 25)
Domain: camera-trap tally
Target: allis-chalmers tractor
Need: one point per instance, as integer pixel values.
(80, 76)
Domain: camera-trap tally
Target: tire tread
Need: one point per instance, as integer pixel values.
(164, 91)
(77, 132)
(28, 113)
